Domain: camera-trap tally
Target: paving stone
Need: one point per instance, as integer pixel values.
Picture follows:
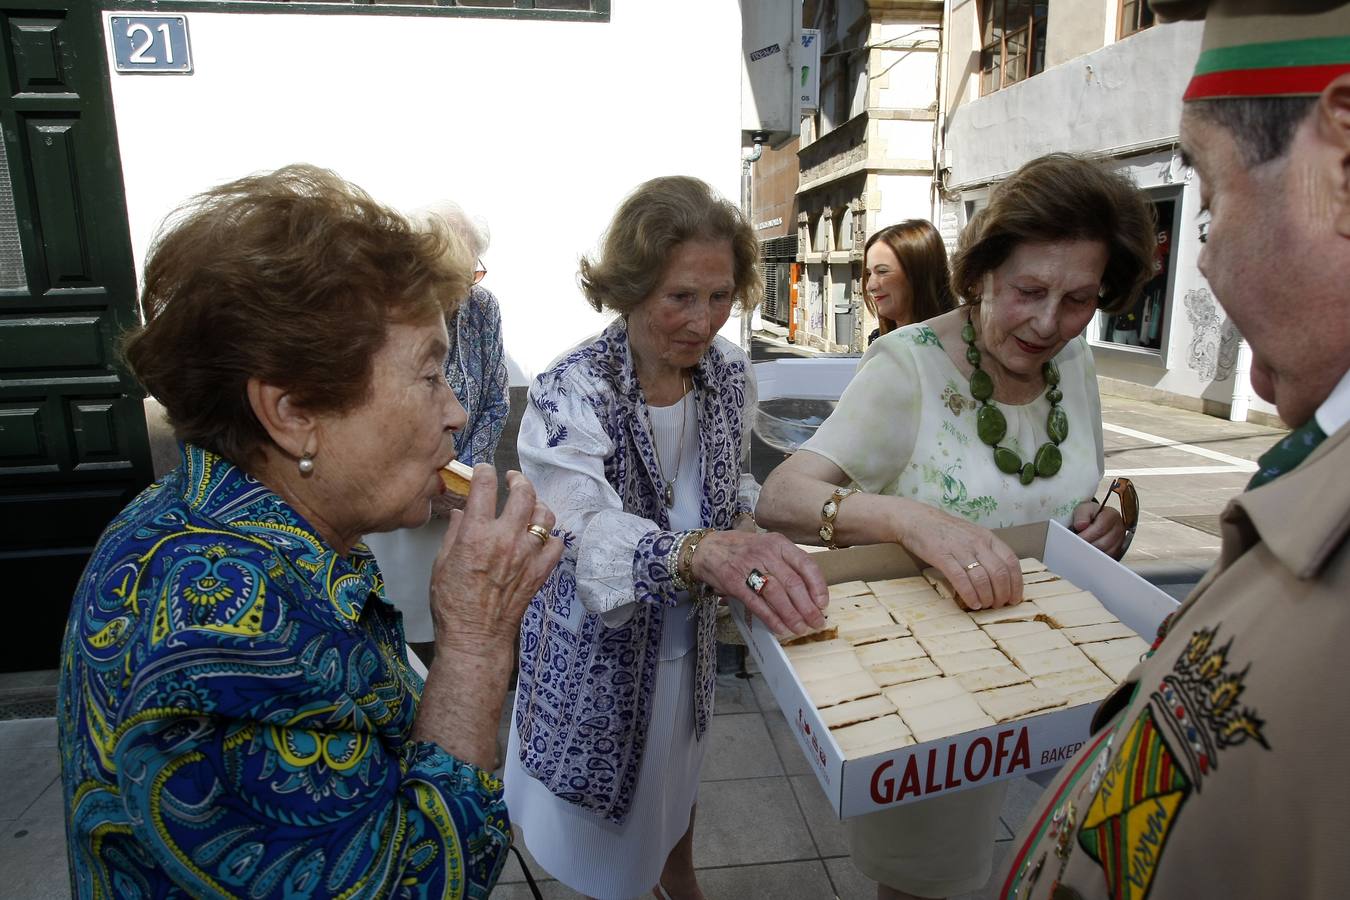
(801, 880)
(28, 773)
(829, 833)
(740, 748)
(735, 695)
(752, 820)
(33, 850)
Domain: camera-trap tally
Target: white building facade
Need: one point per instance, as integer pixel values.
(1096, 77)
(866, 155)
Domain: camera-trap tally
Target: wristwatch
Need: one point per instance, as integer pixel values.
(829, 512)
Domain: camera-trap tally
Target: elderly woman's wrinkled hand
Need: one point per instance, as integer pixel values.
(490, 566)
(984, 571)
(1100, 526)
(793, 594)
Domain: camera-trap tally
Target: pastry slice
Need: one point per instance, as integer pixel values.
(851, 712)
(875, 736)
(1007, 703)
(1072, 600)
(939, 583)
(1031, 564)
(1004, 630)
(818, 668)
(829, 691)
(827, 632)
(816, 648)
(857, 601)
(958, 663)
(943, 625)
(1035, 664)
(922, 693)
(456, 477)
(1118, 668)
(903, 671)
(1075, 618)
(1049, 589)
(890, 651)
(1019, 647)
(847, 589)
(1129, 647)
(929, 609)
(915, 584)
(866, 636)
(993, 677)
(1026, 611)
(1087, 634)
(1071, 682)
(1038, 577)
(945, 718)
(956, 642)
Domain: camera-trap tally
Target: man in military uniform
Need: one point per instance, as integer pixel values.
(1215, 770)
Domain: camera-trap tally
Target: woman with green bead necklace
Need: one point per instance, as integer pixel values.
(984, 417)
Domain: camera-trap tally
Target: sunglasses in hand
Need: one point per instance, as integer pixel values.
(1129, 506)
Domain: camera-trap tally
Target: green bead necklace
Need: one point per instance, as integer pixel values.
(991, 425)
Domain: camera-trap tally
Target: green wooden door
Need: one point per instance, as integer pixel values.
(73, 444)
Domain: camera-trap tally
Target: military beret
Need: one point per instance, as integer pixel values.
(1264, 48)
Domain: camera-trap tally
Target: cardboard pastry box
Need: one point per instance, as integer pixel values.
(922, 771)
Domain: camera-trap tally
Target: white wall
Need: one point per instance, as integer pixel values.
(540, 126)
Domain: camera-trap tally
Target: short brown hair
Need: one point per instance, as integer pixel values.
(1061, 197)
(291, 277)
(649, 224)
(923, 256)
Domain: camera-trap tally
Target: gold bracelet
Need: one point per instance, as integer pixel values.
(829, 512)
(687, 548)
(743, 514)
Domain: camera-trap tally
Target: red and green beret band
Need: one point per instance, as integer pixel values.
(1280, 68)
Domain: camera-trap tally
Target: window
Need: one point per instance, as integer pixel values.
(1012, 42)
(1142, 325)
(1135, 15)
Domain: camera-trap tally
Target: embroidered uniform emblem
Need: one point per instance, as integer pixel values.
(1169, 750)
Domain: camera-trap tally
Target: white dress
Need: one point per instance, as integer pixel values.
(582, 850)
(906, 427)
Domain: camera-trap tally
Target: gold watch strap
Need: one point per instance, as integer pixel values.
(829, 512)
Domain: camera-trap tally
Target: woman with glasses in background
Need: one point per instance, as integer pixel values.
(476, 371)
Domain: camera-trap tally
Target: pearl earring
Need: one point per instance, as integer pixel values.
(306, 465)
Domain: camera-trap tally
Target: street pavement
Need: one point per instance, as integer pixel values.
(765, 829)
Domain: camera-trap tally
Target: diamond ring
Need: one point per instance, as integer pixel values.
(756, 580)
(972, 566)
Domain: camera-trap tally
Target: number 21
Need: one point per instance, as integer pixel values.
(138, 51)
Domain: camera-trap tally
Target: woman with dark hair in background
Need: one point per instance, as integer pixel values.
(905, 276)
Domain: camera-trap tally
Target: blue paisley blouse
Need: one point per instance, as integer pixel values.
(235, 714)
(476, 370)
(591, 637)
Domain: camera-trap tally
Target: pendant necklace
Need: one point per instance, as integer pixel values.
(668, 495)
(991, 425)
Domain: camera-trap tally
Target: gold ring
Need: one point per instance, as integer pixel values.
(540, 532)
(973, 566)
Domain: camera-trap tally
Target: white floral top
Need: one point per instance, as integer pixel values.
(906, 427)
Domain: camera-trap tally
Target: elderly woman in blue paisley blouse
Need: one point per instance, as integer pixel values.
(237, 714)
(636, 437)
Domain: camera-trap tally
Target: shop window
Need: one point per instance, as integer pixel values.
(1135, 15)
(1012, 42)
(1144, 324)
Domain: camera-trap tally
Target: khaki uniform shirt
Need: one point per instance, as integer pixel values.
(1219, 767)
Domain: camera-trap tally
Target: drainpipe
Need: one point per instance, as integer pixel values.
(748, 160)
(1242, 383)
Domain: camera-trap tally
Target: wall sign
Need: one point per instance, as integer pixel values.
(152, 44)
